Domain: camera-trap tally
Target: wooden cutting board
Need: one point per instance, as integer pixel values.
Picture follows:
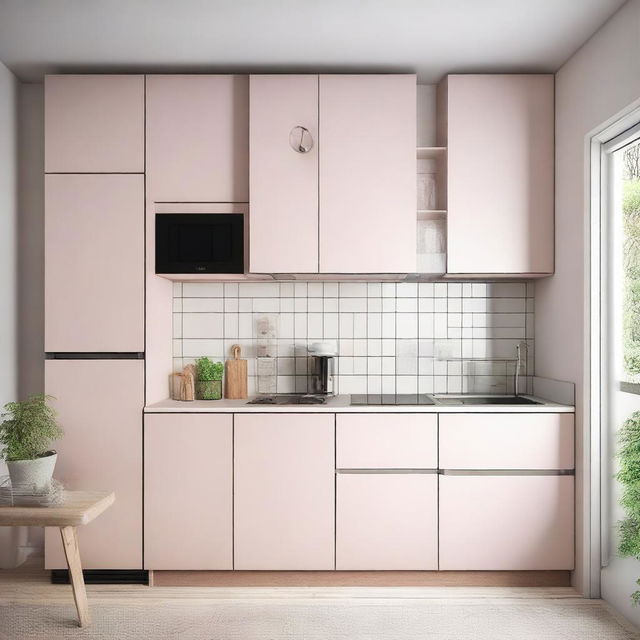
(235, 380)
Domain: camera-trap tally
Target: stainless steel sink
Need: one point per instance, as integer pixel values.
(490, 400)
(289, 398)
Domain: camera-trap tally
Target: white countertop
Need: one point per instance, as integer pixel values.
(342, 404)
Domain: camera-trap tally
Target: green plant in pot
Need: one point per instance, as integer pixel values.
(209, 382)
(26, 432)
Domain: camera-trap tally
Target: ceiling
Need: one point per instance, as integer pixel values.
(429, 37)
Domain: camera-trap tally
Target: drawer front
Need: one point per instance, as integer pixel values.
(387, 521)
(506, 441)
(507, 523)
(386, 441)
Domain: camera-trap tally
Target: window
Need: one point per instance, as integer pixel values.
(624, 261)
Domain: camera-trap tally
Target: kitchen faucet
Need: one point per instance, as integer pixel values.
(520, 347)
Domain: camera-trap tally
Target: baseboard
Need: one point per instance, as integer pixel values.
(361, 578)
(103, 576)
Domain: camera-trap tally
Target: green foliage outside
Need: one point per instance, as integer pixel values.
(629, 436)
(209, 370)
(629, 477)
(631, 264)
(28, 428)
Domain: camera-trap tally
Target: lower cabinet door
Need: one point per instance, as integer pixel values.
(506, 522)
(387, 521)
(188, 503)
(284, 491)
(99, 404)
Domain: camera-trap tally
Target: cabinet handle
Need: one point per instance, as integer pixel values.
(301, 140)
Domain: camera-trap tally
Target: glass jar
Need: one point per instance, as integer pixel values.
(208, 389)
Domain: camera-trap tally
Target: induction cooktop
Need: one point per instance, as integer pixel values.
(377, 399)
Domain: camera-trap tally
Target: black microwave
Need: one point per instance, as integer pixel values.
(199, 243)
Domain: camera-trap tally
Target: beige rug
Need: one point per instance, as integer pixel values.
(317, 617)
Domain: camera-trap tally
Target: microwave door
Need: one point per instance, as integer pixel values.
(199, 243)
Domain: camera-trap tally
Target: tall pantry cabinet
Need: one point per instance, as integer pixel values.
(94, 302)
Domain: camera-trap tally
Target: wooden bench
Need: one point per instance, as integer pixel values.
(77, 508)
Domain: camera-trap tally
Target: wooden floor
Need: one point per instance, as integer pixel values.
(360, 578)
(31, 583)
(31, 608)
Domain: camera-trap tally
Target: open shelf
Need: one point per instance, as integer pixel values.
(429, 214)
(431, 263)
(477, 359)
(426, 153)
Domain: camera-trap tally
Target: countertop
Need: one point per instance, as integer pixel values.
(341, 404)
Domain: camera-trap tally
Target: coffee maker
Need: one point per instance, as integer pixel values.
(321, 376)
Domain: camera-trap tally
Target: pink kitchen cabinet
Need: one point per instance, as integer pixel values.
(188, 502)
(506, 441)
(506, 522)
(387, 441)
(94, 263)
(197, 138)
(94, 123)
(284, 183)
(499, 130)
(367, 173)
(387, 521)
(348, 205)
(284, 495)
(99, 404)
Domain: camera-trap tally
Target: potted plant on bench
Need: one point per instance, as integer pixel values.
(26, 432)
(209, 379)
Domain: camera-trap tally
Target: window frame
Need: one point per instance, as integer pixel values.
(612, 280)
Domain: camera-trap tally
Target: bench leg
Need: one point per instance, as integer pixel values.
(72, 552)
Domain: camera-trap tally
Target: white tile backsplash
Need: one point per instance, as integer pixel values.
(391, 337)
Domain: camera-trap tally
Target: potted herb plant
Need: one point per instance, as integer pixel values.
(26, 432)
(209, 379)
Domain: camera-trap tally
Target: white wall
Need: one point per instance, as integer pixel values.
(8, 234)
(10, 538)
(31, 239)
(595, 84)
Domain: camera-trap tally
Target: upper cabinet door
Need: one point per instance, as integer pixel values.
(94, 263)
(367, 174)
(94, 124)
(500, 133)
(283, 180)
(197, 138)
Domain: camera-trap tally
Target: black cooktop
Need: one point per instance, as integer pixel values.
(377, 399)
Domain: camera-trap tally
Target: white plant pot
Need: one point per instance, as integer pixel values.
(36, 472)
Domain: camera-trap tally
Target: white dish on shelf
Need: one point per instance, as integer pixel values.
(430, 152)
(432, 263)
